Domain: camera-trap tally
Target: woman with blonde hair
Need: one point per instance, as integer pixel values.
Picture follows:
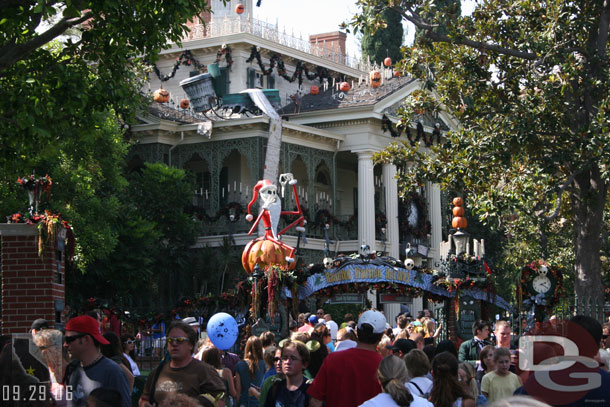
(249, 372)
(467, 373)
(392, 375)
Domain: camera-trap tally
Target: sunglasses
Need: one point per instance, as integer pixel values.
(180, 339)
(277, 359)
(604, 336)
(129, 342)
(72, 338)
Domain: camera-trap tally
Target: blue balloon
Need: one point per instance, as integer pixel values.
(222, 330)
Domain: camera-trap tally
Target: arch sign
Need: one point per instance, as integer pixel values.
(363, 272)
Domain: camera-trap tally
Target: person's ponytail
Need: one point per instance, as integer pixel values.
(399, 393)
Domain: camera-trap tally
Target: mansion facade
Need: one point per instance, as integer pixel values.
(329, 138)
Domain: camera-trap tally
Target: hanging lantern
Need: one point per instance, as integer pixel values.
(161, 95)
(344, 87)
(314, 90)
(184, 103)
(387, 61)
(375, 77)
(239, 9)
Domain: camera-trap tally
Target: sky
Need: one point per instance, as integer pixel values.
(305, 17)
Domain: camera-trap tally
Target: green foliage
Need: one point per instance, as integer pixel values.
(386, 41)
(529, 84)
(63, 101)
(154, 234)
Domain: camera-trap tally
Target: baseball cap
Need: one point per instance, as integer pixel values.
(313, 320)
(39, 324)
(373, 318)
(86, 325)
(191, 321)
(403, 345)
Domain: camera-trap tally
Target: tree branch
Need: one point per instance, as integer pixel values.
(11, 53)
(414, 18)
(602, 35)
(562, 188)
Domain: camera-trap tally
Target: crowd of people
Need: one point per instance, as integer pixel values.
(363, 361)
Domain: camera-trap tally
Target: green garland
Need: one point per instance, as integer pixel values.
(320, 73)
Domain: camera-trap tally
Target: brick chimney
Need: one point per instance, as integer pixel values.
(328, 43)
(32, 287)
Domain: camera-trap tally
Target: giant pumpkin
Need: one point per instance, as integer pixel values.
(161, 95)
(264, 253)
(375, 77)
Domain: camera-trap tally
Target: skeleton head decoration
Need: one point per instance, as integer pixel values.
(409, 264)
(543, 270)
(268, 194)
(328, 263)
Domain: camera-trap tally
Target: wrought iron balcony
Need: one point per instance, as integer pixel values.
(220, 27)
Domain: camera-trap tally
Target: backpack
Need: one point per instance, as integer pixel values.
(421, 392)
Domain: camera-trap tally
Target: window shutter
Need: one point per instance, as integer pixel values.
(251, 78)
(270, 82)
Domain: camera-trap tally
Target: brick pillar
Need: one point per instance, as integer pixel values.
(32, 287)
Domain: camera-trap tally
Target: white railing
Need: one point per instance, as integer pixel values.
(219, 27)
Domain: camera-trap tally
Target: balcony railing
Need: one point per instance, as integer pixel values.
(219, 27)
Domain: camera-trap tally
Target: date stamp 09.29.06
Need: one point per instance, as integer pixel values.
(32, 392)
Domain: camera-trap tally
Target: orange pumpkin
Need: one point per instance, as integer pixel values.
(375, 77)
(397, 74)
(314, 90)
(457, 201)
(459, 222)
(344, 87)
(387, 61)
(239, 9)
(264, 253)
(161, 95)
(458, 211)
(184, 103)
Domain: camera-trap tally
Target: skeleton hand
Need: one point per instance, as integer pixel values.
(287, 178)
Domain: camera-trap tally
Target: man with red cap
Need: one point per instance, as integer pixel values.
(91, 369)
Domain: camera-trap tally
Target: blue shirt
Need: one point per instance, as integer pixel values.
(246, 381)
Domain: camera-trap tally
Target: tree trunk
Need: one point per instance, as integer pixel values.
(588, 200)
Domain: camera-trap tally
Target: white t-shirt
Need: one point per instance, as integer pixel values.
(424, 384)
(333, 328)
(134, 366)
(385, 400)
(345, 344)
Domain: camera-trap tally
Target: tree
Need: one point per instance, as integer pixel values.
(64, 101)
(163, 195)
(528, 82)
(385, 42)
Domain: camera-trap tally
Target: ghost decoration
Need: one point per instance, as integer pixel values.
(409, 264)
(328, 263)
(543, 270)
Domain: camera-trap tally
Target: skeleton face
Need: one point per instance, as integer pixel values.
(328, 262)
(543, 270)
(409, 264)
(269, 194)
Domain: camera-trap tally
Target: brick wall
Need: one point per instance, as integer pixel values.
(29, 282)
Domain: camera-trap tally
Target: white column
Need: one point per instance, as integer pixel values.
(366, 199)
(435, 212)
(391, 209)
(366, 206)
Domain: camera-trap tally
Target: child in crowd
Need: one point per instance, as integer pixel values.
(500, 383)
(292, 390)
